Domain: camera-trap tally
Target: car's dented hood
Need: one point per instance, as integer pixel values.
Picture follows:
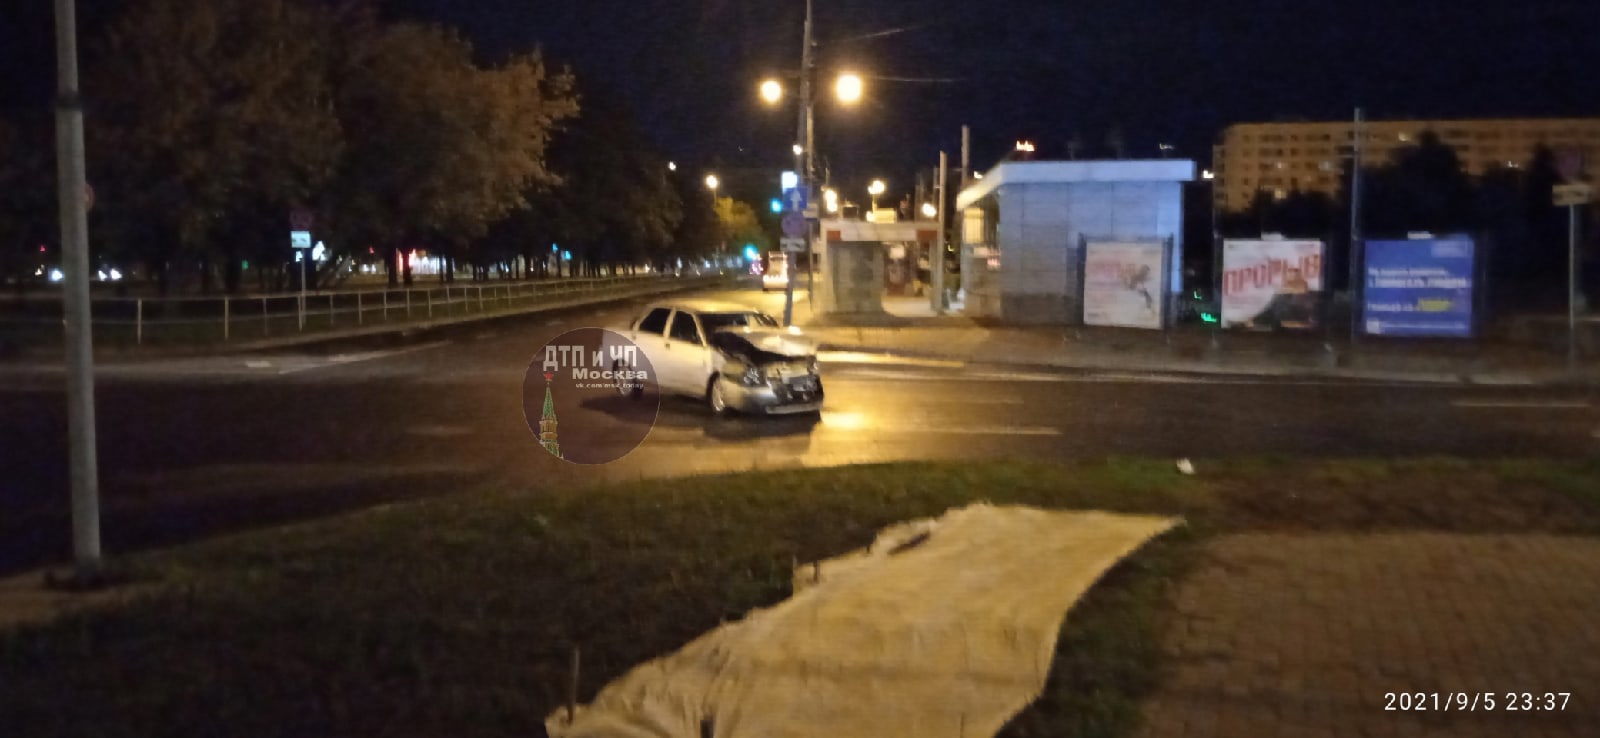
(786, 342)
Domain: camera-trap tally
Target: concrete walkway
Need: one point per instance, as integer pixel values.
(1306, 635)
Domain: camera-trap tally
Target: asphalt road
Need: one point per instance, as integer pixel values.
(193, 447)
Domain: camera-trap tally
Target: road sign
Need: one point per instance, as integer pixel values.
(300, 239)
(1573, 194)
(796, 199)
(300, 219)
(794, 224)
(792, 244)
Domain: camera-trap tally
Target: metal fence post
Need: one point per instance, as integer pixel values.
(408, 303)
(447, 301)
(330, 309)
(266, 319)
(138, 322)
(360, 319)
(480, 299)
(225, 319)
(429, 294)
(386, 306)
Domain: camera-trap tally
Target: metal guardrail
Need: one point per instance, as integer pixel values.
(143, 321)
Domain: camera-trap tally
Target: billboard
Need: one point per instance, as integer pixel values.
(1122, 283)
(1421, 287)
(1271, 283)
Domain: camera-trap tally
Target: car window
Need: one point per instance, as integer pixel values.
(655, 322)
(717, 321)
(683, 328)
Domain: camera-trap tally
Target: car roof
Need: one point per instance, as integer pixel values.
(707, 306)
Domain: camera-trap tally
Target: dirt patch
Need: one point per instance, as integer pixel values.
(1374, 496)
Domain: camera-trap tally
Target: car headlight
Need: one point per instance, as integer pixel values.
(751, 377)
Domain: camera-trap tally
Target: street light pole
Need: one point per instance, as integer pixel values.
(85, 474)
(807, 173)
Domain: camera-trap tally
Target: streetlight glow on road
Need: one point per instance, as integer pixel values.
(848, 88)
(771, 91)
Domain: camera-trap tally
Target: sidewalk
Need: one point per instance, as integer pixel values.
(1310, 635)
(910, 329)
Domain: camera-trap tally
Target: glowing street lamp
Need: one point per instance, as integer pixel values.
(875, 189)
(830, 200)
(848, 88)
(771, 91)
(712, 182)
(928, 210)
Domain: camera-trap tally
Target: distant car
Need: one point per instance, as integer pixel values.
(776, 277)
(732, 357)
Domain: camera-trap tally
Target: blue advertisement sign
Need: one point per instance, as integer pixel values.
(1421, 287)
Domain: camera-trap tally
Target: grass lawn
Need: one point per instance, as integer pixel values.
(457, 616)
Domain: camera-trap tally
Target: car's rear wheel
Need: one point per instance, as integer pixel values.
(629, 388)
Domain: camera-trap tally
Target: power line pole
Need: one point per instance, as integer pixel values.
(71, 195)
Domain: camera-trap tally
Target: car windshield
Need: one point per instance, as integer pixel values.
(713, 322)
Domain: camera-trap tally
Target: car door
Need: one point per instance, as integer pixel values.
(650, 335)
(686, 354)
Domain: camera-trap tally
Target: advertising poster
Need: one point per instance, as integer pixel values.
(1271, 284)
(1122, 284)
(1419, 288)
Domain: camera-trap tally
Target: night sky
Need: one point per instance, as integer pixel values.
(1159, 70)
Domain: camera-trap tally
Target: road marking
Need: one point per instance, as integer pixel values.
(1522, 404)
(343, 359)
(856, 357)
(258, 365)
(848, 426)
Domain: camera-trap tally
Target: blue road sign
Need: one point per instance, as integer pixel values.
(796, 199)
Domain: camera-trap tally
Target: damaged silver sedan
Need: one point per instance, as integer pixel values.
(732, 357)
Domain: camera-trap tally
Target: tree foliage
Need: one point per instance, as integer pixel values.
(201, 111)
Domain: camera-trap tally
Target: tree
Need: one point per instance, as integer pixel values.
(617, 205)
(27, 200)
(439, 151)
(203, 111)
(739, 226)
(1422, 188)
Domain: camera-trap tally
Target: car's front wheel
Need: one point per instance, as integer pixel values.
(716, 397)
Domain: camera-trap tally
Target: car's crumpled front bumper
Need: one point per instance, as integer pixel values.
(775, 396)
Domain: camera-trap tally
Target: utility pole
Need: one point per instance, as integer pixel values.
(966, 156)
(936, 262)
(807, 140)
(1216, 247)
(85, 474)
(1355, 229)
(1572, 287)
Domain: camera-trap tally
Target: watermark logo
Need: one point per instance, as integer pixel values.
(590, 396)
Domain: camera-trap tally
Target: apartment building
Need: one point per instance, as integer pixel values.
(1279, 158)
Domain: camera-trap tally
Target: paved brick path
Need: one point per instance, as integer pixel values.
(1302, 635)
